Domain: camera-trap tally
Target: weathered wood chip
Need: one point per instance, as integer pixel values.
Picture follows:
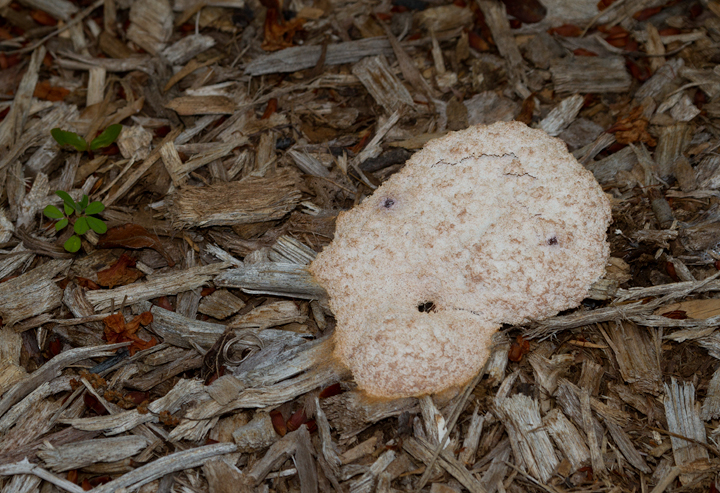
(220, 304)
(80, 454)
(254, 199)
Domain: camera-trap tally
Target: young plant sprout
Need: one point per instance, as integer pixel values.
(84, 221)
(491, 225)
(106, 138)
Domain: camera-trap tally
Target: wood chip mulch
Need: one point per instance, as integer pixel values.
(186, 349)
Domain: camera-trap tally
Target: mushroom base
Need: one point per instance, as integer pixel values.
(414, 352)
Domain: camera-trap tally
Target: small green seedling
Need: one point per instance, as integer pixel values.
(106, 138)
(82, 224)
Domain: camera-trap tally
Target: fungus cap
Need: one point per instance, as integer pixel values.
(489, 225)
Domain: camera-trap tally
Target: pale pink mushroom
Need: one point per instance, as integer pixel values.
(490, 225)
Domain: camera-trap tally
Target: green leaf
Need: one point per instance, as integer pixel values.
(95, 207)
(83, 202)
(68, 200)
(107, 137)
(72, 244)
(63, 137)
(68, 210)
(81, 226)
(53, 212)
(97, 225)
(61, 224)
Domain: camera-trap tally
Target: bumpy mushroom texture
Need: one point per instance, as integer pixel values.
(490, 225)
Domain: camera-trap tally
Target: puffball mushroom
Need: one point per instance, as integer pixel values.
(491, 225)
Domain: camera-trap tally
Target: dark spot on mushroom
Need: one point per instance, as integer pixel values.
(552, 241)
(388, 203)
(426, 307)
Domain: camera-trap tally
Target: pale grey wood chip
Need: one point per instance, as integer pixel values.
(74, 61)
(580, 133)
(25, 467)
(308, 163)
(215, 152)
(37, 130)
(13, 126)
(590, 74)
(279, 279)
(423, 451)
(96, 86)
(366, 483)
(171, 159)
(671, 144)
(223, 477)
(295, 444)
(328, 448)
(60, 9)
(257, 435)
(288, 249)
(313, 356)
(498, 467)
(530, 441)
(51, 370)
(270, 315)
(707, 79)
(606, 169)
(567, 437)
(81, 454)
(591, 376)
(181, 331)
(596, 457)
(498, 360)
(316, 373)
(659, 237)
(184, 391)
(497, 21)
(20, 259)
(186, 48)
(661, 81)
(23, 483)
(683, 418)
(187, 360)
(225, 389)
(6, 231)
(302, 57)
(684, 110)
(179, 461)
(151, 25)
(472, 438)
(434, 421)
(636, 355)
(548, 370)
(487, 107)
(568, 400)
(562, 115)
(32, 293)
(624, 443)
(162, 285)
(352, 412)
(711, 404)
(134, 142)
(220, 304)
(382, 84)
(32, 400)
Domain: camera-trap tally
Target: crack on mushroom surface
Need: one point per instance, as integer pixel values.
(494, 225)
